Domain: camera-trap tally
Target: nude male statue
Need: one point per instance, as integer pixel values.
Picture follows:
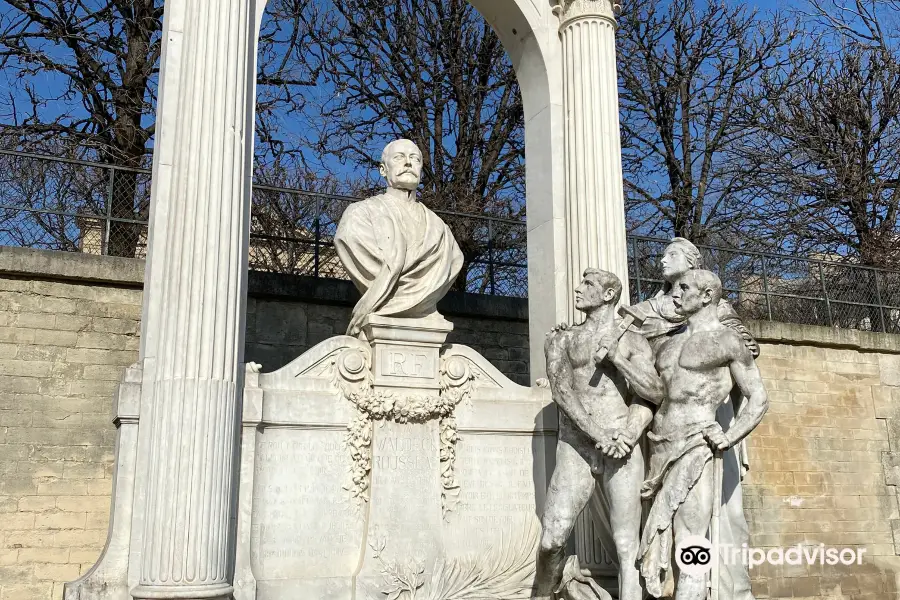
(659, 318)
(698, 365)
(400, 255)
(599, 423)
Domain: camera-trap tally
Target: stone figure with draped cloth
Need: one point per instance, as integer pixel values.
(400, 255)
(661, 319)
(699, 364)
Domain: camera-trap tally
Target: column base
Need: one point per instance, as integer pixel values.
(219, 591)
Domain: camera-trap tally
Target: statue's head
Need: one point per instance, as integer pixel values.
(401, 165)
(695, 290)
(597, 288)
(679, 257)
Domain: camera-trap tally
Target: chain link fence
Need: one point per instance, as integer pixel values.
(81, 206)
(787, 289)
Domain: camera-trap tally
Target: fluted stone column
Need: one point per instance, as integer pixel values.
(193, 327)
(595, 207)
(594, 200)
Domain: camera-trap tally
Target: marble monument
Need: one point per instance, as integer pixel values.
(601, 419)
(172, 537)
(388, 464)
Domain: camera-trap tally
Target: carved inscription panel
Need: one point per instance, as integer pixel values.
(303, 523)
(497, 483)
(405, 365)
(406, 493)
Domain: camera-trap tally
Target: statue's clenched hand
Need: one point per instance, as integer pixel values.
(608, 442)
(558, 328)
(716, 437)
(627, 437)
(607, 348)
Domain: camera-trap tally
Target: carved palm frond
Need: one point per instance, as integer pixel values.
(504, 572)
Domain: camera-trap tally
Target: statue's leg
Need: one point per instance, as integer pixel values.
(622, 485)
(692, 518)
(570, 489)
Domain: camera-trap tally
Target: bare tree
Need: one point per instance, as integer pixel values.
(829, 146)
(82, 82)
(432, 71)
(292, 231)
(870, 22)
(689, 74)
(85, 72)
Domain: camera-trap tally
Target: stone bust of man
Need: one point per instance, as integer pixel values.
(400, 255)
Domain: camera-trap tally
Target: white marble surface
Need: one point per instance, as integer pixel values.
(400, 255)
(192, 327)
(419, 514)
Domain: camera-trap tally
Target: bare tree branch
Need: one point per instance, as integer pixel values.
(688, 91)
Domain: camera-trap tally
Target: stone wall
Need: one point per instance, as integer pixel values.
(64, 343)
(69, 325)
(825, 461)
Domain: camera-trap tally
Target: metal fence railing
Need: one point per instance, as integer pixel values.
(788, 289)
(81, 206)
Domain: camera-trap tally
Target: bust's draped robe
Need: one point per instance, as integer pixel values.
(400, 255)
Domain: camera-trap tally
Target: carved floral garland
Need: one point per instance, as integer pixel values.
(353, 376)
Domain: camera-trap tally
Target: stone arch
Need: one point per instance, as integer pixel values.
(192, 326)
(528, 31)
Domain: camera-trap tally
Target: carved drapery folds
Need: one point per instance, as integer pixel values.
(354, 377)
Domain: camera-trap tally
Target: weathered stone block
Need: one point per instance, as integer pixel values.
(117, 326)
(54, 337)
(105, 341)
(100, 357)
(27, 591)
(59, 520)
(58, 306)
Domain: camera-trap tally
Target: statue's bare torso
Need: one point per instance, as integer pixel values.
(695, 371)
(598, 397)
(601, 389)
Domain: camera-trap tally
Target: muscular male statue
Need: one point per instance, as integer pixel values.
(598, 430)
(400, 255)
(698, 365)
(659, 318)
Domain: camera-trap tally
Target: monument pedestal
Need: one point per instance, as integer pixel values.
(406, 352)
(390, 466)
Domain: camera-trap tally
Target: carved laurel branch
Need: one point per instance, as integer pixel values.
(353, 376)
(504, 572)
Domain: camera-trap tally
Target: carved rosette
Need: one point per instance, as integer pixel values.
(569, 11)
(353, 376)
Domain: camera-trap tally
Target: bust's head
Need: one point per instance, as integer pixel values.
(401, 165)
